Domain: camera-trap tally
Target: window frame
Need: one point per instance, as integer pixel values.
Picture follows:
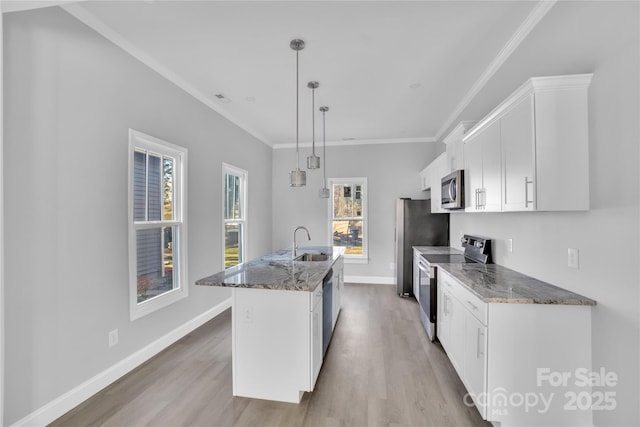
(244, 186)
(352, 258)
(139, 140)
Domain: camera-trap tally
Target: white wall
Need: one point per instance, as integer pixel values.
(603, 38)
(70, 98)
(392, 172)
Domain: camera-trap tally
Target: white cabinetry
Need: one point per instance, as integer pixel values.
(338, 288)
(543, 149)
(438, 170)
(465, 336)
(277, 339)
(316, 335)
(431, 178)
(275, 342)
(455, 147)
(499, 350)
(482, 177)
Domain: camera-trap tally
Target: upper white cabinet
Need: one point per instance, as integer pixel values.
(455, 146)
(438, 170)
(431, 178)
(482, 176)
(542, 139)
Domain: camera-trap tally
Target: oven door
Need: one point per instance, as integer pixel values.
(427, 297)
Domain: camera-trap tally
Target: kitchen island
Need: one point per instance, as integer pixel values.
(277, 320)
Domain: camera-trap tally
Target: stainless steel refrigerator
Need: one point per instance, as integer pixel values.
(416, 226)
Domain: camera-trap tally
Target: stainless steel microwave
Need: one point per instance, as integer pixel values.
(453, 190)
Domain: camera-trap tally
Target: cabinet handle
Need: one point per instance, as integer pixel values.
(479, 339)
(472, 305)
(484, 198)
(477, 203)
(526, 191)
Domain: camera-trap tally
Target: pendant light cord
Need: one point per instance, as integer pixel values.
(297, 114)
(313, 121)
(324, 153)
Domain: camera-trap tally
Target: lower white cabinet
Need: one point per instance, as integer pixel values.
(277, 339)
(316, 335)
(338, 288)
(509, 356)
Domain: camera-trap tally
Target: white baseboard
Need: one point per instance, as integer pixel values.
(69, 400)
(373, 280)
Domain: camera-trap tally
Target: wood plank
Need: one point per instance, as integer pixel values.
(380, 370)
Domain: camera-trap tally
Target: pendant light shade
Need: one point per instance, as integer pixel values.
(313, 161)
(324, 192)
(297, 178)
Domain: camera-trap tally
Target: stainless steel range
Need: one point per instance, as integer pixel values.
(476, 249)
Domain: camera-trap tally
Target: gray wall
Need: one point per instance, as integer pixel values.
(70, 98)
(392, 172)
(578, 37)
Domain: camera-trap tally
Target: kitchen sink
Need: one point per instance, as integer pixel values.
(311, 257)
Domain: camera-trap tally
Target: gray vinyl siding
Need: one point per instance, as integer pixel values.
(149, 251)
(147, 194)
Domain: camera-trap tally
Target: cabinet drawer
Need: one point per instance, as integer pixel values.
(471, 302)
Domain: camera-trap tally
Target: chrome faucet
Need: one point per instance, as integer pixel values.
(294, 246)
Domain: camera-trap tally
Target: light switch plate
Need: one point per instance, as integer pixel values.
(573, 258)
(509, 245)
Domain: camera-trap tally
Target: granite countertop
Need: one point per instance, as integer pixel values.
(277, 271)
(496, 284)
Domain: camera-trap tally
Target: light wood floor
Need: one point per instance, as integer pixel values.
(380, 370)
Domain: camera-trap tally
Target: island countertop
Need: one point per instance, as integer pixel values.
(278, 271)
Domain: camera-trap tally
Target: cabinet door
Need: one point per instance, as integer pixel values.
(425, 178)
(442, 327)
(438, 170)
(456, 333)
(475, 360)
(316, 342)
(518, 158)
(491, 194)
(473, 173)
(416, 275)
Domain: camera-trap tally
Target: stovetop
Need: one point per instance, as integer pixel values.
(446, 258)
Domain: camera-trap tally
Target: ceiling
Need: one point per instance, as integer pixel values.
(388, 70)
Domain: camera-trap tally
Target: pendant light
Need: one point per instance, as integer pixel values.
(313, 161)
(324, 192)
(297, 178)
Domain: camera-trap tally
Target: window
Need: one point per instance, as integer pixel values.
(349, 216)
(234, 222)
(157, 229)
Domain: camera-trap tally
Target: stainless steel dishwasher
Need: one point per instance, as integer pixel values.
(327, 306)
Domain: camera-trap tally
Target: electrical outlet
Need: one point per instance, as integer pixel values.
(573, 258)
(113, 338)
(392, 266)
(509, 245)
(248, 314)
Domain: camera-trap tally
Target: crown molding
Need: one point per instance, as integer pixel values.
(89, 19)
(530, 22)
(358, 142)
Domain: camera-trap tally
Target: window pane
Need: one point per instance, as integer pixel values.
(347, 201)
(139, 185)
(154, 253)
(167, 188)
(349, 235)
(232, 207)
(232, 244)
(153, 189)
